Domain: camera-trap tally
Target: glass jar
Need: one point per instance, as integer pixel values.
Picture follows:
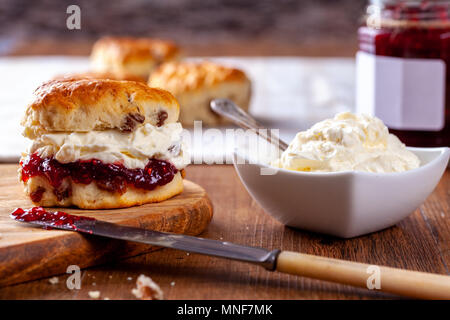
(403, 74)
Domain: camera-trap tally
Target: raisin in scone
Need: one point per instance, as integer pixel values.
(102, 144)
(126, 56)
(195, 84)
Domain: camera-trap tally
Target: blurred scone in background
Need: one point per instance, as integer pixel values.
(195, 84)
(128, 56)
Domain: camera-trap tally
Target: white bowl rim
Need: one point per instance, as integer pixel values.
(443, 152)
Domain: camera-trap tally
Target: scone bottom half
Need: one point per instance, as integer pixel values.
(92, 183)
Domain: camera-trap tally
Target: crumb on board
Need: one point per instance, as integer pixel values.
(105, 298)
(147, 289)
(94, 294)
(94, 284)
(172, 283)
(53, 280)
(129, 278)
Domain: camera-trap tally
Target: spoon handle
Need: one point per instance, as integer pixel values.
(408, 283)
(232, 112)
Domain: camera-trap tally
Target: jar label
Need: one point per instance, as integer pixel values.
(407, 94)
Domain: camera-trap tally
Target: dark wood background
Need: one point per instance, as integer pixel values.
(212, 27)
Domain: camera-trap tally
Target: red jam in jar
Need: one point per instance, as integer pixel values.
(403, 69)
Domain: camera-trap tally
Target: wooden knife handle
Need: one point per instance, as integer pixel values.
(413, 284)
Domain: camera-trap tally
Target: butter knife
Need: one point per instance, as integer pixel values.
(398, 281)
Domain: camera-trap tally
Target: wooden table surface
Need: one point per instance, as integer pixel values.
(420, 242)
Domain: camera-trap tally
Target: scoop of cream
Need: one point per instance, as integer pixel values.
(347, 142)
(132, 149)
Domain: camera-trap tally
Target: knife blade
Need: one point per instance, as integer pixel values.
(209, 247)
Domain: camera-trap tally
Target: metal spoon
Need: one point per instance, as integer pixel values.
(228, 109)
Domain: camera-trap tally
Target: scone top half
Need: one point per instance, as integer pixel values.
(83, 105)
(92, 75)
(102, 144)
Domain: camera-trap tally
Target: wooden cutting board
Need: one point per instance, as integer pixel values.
(28, 253)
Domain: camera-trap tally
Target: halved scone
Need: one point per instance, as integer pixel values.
(102, 144)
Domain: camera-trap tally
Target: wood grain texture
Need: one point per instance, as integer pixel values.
(420, 242)
(28, 253)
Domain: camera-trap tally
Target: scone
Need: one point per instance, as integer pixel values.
(102, 144)
(98, 76)
(126, 57)
(195, 84)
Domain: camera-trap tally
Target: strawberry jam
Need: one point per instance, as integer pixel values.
(114, 177)
(412, 30)
(55, 219)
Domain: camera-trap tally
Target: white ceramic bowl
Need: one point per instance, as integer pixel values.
(343, 204)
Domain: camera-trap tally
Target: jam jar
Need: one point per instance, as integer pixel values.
(403, 74)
